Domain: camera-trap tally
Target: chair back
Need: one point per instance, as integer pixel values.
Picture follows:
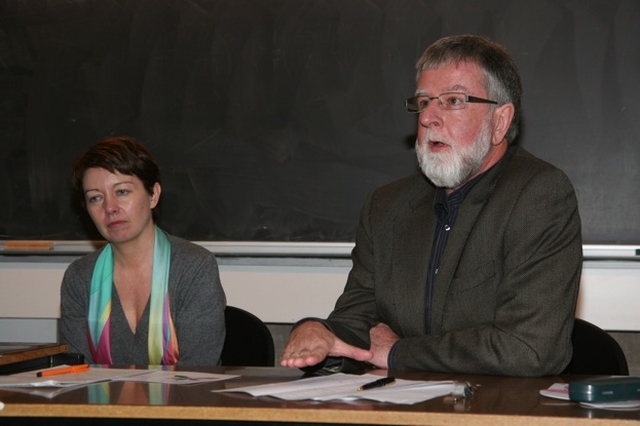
(595, 352)
(248, 341)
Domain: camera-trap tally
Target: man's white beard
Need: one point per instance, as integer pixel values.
(454, 166)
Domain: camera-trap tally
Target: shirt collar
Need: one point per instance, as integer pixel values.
(444, 202)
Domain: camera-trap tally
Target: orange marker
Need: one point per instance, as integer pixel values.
(66, 370)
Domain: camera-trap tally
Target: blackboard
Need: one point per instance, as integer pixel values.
(272, 119)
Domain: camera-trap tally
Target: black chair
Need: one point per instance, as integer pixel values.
(248, 341)
(595, 352)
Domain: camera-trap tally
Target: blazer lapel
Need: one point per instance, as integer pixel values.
(413, 234)
(467, 217)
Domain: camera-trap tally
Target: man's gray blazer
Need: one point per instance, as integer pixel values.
(505, 295)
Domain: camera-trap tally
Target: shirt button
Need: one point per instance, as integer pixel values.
(447, 228)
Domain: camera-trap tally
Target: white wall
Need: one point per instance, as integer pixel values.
(285, 290)
(610, 294)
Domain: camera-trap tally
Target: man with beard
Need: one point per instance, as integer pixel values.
(472, 266)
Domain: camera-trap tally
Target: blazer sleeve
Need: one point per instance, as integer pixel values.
(356, 308)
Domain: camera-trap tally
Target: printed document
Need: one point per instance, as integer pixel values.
(344, 387)
(97, 374)
(93, 375)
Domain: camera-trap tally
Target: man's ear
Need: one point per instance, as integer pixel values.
(502, 116)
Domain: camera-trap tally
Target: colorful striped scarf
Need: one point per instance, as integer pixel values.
(163, 342)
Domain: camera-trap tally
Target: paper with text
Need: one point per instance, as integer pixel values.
(177, 377)
(94, 375)
(345, 387)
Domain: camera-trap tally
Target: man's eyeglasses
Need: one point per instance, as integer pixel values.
(448, 100)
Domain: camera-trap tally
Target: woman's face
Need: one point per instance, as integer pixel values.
(118, 204)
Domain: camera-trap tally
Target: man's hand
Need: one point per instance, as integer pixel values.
(382, 339)
(311, 342)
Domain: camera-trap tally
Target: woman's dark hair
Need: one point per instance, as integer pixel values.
(123, 154)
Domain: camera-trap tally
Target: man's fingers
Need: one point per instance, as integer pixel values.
(311, 342)
(300, 361)
(340, 348)
(308, 344)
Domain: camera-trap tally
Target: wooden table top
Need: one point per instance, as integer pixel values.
(15, 352)
(499, 400)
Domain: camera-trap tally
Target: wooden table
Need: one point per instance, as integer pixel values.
(498, 401)
(11, 353)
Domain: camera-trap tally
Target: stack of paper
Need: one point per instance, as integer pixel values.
(345, 387)
(51, 386)
(93, 375)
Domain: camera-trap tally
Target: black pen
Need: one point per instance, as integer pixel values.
(385, 381)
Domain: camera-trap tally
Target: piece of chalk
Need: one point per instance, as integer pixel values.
(28, 245)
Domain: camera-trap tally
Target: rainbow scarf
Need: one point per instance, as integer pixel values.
(163, 342)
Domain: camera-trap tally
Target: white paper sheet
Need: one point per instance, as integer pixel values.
(345, 387)
(94, 375)
(177, 377)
